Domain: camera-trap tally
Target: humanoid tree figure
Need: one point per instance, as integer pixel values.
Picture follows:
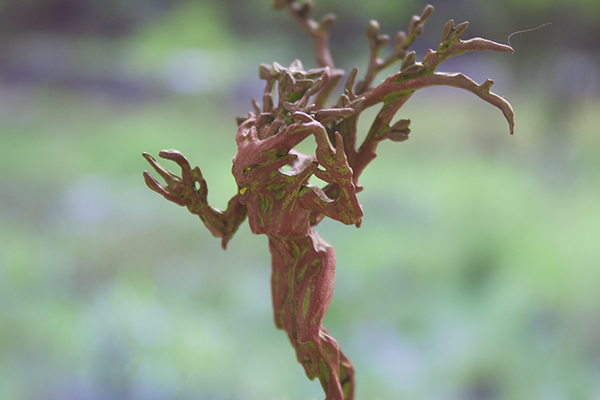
(281, 204)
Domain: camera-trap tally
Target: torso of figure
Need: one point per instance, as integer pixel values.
(274, 208)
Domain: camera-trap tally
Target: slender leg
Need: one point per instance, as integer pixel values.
(302, 285)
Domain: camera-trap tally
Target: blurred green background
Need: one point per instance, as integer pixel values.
(476, 272)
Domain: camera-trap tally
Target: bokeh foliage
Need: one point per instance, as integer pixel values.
(474, 275)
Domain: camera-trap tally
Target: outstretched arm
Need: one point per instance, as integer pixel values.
(191, 191)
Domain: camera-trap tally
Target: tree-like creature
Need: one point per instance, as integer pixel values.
(281, 204)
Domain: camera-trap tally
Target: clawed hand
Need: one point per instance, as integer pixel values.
(181, 191)
(333, 159)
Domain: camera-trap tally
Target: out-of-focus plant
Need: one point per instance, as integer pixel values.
(280, 203)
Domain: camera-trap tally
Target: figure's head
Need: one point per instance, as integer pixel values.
(257, 161)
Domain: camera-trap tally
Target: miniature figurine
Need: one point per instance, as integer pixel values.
(282, 204)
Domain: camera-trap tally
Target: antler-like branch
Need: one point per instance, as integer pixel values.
(393, 92)
(414, 76)
(398, 88)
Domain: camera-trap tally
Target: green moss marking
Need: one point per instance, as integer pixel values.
(302, 272)
(306, 300)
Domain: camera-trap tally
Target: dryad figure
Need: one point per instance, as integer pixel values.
(273, 178)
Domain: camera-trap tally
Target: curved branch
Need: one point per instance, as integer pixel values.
(390, 87)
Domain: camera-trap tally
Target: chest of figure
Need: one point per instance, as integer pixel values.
(275, 215)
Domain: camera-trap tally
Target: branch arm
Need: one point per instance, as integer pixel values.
(191, 191)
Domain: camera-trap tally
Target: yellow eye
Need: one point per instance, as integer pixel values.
(243, 190)
(249, 168)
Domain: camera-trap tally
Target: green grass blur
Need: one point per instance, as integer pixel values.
(475, 274)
